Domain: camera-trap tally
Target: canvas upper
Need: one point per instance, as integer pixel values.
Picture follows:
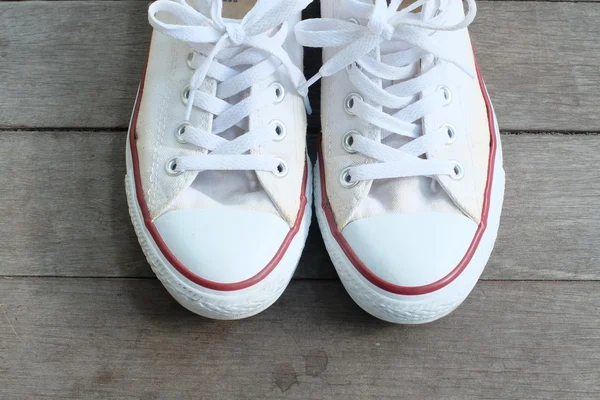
(162, 110)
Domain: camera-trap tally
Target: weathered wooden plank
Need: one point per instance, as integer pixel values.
(94, 338)
(537, 67)
(64, 193)
(77, 63)
(71, 63)
(551, 216)
(65, 197)
(516, 45)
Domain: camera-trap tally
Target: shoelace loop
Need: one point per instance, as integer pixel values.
(236, 33)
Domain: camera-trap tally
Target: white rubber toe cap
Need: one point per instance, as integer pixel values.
(411, 249)
(222, 245)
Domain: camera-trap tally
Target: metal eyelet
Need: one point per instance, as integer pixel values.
(345, 178)
(280, 130)
(279, 91)
(185, 94)
(447, 93)
(282, 169)
(180, 131)
(190, 59)
(458, 170)
(350, 100)
(171, 166)
(451, 133)
(348, 141)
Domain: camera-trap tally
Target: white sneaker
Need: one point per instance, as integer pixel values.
(409, 183)
(217, 179)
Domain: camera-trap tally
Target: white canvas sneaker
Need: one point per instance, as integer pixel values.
(218, 184)
(409, 183)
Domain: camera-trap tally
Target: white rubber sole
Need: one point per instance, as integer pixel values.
(213, 303)
(417, 309)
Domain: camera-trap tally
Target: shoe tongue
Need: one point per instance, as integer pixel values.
(404, 4)
(237, 9)
(428, 9)
(232, 9)
(202, 6)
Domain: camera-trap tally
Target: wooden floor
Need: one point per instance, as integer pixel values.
(82, 317)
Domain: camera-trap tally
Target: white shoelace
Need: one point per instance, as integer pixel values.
(222, 48)
(389, 48)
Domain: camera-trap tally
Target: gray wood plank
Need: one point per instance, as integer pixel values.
(127, 339)
(64, 193)
(550, 224)
(516, 45)
(77, 63)
(536, 60)
(68, 215)
(71, 64)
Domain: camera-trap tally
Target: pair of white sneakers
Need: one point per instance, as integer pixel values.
(408, 184)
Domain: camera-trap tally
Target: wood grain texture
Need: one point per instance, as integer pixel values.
(77, 63)
(126, 339)
(64, 193)
(71, 63)
(68, 213)
(551, 216)
(517, 45)
(541, 63)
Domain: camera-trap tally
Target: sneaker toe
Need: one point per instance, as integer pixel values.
(222, 245)
(411, 250)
